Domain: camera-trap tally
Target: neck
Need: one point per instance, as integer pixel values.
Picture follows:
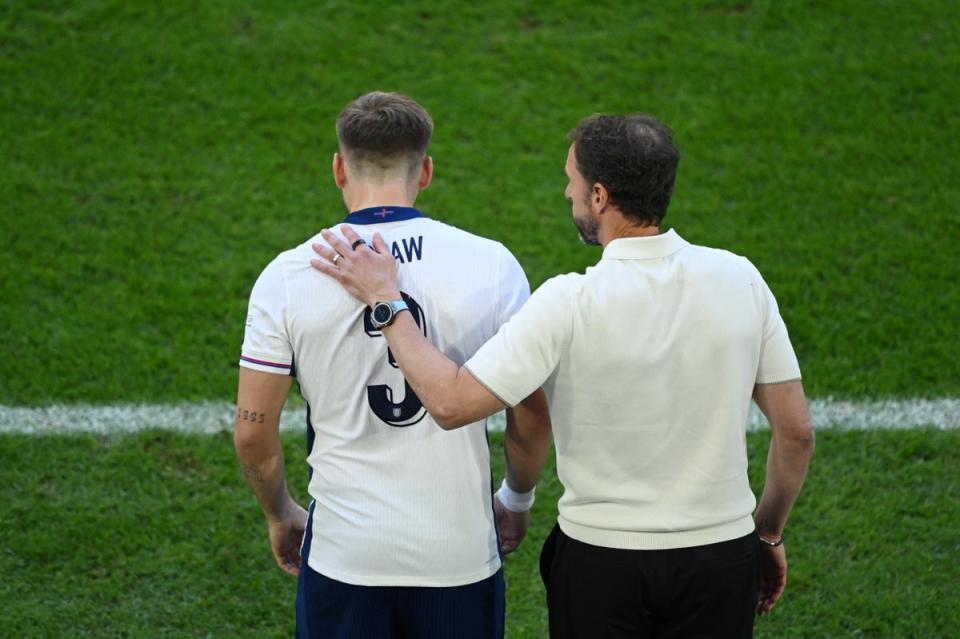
(620, 227)
(363, 195)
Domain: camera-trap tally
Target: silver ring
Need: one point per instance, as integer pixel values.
(337, 258)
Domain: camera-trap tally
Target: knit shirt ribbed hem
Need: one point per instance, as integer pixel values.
(640, 540)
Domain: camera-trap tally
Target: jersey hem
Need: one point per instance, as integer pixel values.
(642, 540)
(407, 580)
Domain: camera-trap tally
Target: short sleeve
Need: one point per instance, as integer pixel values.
(515, 289)
(266, 343)
(778, 362)
(526, 350)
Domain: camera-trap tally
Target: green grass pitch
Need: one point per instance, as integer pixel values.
(155, 535)
(155, 156)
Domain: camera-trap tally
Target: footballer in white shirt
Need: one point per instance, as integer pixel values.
(400, 536)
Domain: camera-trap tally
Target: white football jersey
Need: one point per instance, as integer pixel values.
(396, 499)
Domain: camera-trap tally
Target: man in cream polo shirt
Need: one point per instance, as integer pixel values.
(650, 360)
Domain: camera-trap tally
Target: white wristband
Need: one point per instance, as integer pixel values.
(514, 501)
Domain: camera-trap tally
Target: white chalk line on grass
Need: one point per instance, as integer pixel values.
(214, 417)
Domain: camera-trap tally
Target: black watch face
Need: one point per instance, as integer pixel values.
(381, 313)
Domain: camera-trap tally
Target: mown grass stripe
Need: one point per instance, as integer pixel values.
(212, 417)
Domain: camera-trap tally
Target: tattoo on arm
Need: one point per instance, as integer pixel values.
(251, 416)
(251, 471)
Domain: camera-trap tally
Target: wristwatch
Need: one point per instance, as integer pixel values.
(384, 313)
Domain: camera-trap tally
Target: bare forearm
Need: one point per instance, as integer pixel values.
(449, 392)
(429, 372)
(526, 442)
(791, 449)
(260, 399)
(263, 468)
(787, 464)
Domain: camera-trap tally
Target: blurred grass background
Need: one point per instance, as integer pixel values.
(155, 156)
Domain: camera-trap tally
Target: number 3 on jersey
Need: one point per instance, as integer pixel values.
(380, 396)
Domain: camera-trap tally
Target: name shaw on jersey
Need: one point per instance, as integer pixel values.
(412, 249)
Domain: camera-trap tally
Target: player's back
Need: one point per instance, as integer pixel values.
(397, 500)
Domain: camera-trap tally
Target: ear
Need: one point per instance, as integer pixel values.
(339, 171)
(599, 197)
(426, 173)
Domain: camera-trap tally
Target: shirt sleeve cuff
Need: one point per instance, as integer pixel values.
(499, 394)
(778, 377)
(267, 363)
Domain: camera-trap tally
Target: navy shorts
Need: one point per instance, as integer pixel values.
(330, 609)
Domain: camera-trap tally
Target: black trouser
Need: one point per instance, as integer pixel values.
(704, 591)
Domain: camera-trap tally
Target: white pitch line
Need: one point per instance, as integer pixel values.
(214, 417)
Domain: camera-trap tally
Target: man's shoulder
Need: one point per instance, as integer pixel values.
(565, 284)
(297, 254)
(702, 250)
(289, 262)
(720, 257)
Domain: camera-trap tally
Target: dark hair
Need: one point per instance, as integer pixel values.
(633, 156)
(383, 129)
